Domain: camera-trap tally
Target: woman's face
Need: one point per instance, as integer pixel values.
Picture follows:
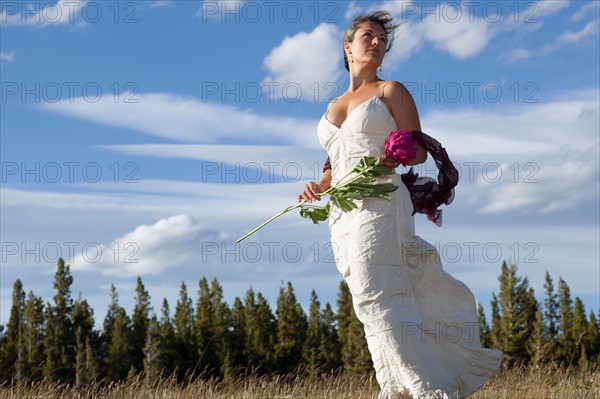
(369, 44)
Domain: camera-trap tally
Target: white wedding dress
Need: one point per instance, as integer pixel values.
(420, 323)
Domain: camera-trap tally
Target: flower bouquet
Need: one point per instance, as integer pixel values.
(359, 184)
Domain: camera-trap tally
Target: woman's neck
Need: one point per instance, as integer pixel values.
(362, 78)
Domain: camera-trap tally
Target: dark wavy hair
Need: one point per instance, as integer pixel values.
(383, 18)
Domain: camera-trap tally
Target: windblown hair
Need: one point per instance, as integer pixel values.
(383, 18)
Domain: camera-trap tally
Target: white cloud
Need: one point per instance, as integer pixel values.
(527, 17)
(352, 11)
(561, 180)
(257, 163)
(547, 153)
(308, 63)
(551, 135)
(399, 8)
(460, 37)
(7, 57)
(31, 14)
(457, 28)
(190, 119)
(449, 29)
(162, 4)
(149, 249)
(518, 129)
(408, 39)
(588, 9)
(518, 54)
(544, 8)
(227, 203)
(590, 29)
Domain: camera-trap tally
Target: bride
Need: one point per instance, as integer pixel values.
(420, 323)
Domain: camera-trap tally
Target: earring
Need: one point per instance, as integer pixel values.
(351, 59)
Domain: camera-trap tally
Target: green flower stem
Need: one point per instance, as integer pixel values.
(291, 208)
(286, 210)
(338, 184)
(330, 191)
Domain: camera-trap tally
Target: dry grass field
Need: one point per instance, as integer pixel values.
(548, 382)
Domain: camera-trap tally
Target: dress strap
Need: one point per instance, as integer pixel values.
(383, 89)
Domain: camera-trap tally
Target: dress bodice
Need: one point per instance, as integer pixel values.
(363, 133)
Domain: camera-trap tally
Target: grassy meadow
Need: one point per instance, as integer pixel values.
(547, 382)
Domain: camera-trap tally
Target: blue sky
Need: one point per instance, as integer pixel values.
(143, 138)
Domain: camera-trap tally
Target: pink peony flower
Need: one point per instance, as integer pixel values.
(401, 146)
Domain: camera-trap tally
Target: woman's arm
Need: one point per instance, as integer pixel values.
(312, 190)
(405, 114)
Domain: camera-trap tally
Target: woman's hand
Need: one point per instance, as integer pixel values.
(311, 192)
(391, 163)
(388, 162)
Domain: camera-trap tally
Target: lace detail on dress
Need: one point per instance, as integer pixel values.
(426, 193)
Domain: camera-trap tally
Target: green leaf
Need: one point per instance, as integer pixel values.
(315, 213)
(345, 204)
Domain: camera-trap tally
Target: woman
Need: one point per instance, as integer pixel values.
(420, 323)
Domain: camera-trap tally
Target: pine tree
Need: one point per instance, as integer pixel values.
(83, 323)
(140, 319)
(204, 329)
(154, 354)
(237, 356)
(566, 338)
(484, 328)
(118, 359)
(221, 319)
(291, 330)
(260, 333)
(518, 307)
(251, 328)
(184, 336)
(312, 354)
(593, 339)
(108, 323)
(32, 334)
(330, 346)
(51, 348)
(60, 336)
(91, 367)
(167, 336)
(536, 346)
(266, 334)
(580, 331)
(357, 344)
(550, 320)
(355, 353)
(495, 329)
(9, 352)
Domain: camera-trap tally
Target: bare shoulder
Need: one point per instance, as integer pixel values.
(396, 92)
(401, 105)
